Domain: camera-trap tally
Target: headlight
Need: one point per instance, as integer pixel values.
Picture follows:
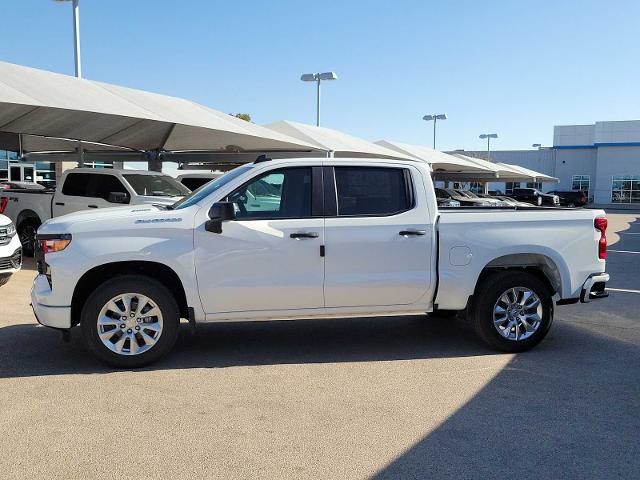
(11, 230)
(53, 242)
(55, 245)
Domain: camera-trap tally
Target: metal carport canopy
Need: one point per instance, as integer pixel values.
(38, 102)
(339, 143)
(440, 162)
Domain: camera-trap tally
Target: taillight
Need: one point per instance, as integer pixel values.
(601, 225)
(3, 203)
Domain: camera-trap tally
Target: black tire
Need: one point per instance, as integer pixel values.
(27, 233)
(121, 284)
(4, 279)
(485, 298)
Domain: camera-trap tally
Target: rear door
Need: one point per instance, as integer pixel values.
(378, 239)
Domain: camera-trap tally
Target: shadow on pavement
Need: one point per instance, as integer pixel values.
(28, 350)
(568, 409)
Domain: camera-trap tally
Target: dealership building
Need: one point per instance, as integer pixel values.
(602, 159)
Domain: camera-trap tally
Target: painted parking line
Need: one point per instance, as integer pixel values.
(623, 251)
(625, 290)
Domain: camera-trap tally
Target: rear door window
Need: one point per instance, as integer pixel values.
(373, 191)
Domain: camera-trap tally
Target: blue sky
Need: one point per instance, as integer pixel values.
(512, 67)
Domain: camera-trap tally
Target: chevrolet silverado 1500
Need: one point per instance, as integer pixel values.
(312, 238)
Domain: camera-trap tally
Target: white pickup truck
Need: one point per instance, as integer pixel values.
(82, 189)
(312, 238)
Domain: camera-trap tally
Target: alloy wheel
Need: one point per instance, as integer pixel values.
(130, 324)
(517, 314)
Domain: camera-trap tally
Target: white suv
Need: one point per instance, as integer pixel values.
(10, 250)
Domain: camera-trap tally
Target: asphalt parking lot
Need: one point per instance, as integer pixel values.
(413, 397)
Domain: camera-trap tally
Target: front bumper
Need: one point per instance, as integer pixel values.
(594, 287)
(47, 315)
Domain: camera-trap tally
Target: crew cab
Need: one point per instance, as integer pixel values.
(535, 197)
(83, 189)
(312, 238)
(10, 250)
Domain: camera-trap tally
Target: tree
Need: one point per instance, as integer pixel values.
(242, 116)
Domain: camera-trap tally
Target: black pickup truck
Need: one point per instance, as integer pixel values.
(535, 197)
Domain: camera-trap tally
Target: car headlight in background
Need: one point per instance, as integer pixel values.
(10, 230)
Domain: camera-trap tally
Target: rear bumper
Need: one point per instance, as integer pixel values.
(594, 287)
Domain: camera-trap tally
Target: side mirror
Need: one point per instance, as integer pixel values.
(218, 213)
(118, 197)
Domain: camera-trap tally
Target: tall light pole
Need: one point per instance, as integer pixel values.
(76, 49)
(318, 77)
(435, 118)
(489, 136)
(76, 34)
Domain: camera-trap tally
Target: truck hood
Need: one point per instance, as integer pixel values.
(108, 218)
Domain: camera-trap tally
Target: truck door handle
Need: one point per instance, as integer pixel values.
(304, 235)
(60, 204)
(92, 206)
(406, 233)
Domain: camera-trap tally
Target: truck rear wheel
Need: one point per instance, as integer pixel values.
(512, 311)
(130, 321)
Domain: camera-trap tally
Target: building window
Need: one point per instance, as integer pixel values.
(100, 164)
(509, 186)
(4, 169)
(536, 185)
(476, 187)
(625, 189)
(581, 183)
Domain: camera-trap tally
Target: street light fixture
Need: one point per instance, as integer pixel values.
(536, 145)
(489, 136)
(318, 77)
(435, 118)
(76, 34)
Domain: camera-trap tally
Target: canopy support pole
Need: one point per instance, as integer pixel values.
(154, 162)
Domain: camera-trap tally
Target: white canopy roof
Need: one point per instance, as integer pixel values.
(341, 144)
(38, 102)
(535, 176)
(440, 162)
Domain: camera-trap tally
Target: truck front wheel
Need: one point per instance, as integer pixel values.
(512, 311)
(130, 321)
(27, 233)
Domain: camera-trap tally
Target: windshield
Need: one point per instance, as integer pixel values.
(208, 188)
(155, 185)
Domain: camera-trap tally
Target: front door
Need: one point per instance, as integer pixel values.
(378, 242)
(268, 258)
(84, 191)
